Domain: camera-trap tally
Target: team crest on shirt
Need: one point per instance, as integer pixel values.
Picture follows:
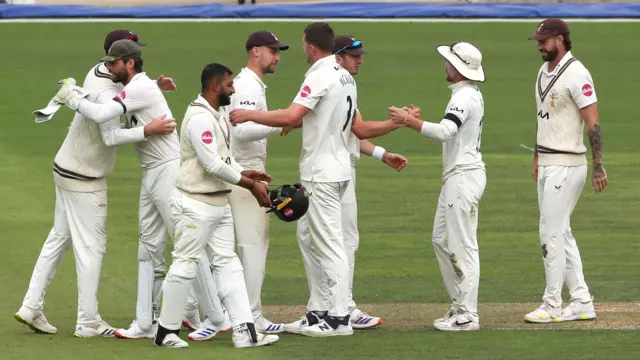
(553, 96)
(305, 92)
(587, 90)
(207, 137)
(122, 95)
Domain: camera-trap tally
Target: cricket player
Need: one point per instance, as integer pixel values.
(159, 157)
(80, 167)
(249, 149)
(456, 220)
(326, 104)
(203, 217)
(349, 52)
(565, 99)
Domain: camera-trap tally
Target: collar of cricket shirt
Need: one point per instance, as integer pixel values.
(325, 61)
(563, 61)
(203, 101)
(254, 76)
(457, 86)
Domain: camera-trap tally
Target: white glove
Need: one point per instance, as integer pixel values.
(70, 94)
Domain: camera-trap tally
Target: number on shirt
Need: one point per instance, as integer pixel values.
(348, 112)
(479, 135)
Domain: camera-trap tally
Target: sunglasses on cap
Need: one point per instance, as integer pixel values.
(456, 54)
(354, 45)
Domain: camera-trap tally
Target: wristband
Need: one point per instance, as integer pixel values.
(378, 152)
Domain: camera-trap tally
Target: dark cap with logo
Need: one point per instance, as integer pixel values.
(120, 34)
(122, 49)
(264, 38)
(349, 45)
(549, 28)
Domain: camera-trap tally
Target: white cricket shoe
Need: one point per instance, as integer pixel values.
(172, 340)
(242, 338)
(577, 310)
(206, 331)
(544, 314)
(136, 332)
(452, 312)
(267, 327)
(91, 330)
(323, 329)
(35, 320)
(458, 322)
(308, 319)
(192, 320)
(361, 320)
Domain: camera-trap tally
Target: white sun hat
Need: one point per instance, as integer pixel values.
(466, 58)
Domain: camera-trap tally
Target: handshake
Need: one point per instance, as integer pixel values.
(401, 115)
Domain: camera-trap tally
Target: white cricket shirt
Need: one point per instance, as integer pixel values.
(88, 152)
(353, 144)
(330, 92)
(466, 110)
(560, 94)
(249, 139)
(143, 101)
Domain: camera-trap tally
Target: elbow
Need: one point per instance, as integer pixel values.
(108, 141)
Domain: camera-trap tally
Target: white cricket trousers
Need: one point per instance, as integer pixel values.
(559, 188)
(156, 225)
(455, 239)
(320, 237)
(80, 221)
(350, 232)
(200, 228)
(251, 223)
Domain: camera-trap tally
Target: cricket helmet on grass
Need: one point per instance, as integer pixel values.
(289, 202)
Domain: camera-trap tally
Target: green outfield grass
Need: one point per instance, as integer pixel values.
(397, 275)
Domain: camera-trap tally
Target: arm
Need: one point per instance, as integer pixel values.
(209, 158)
(599, 176)
(397, 162)
(371, 129)
(133, 97)
(100, 113)
(252, 132)
(207, 152)
(304, 102)
(584, 96)
(111, 131)
(288, 117)
(443, 132)
(250, 97)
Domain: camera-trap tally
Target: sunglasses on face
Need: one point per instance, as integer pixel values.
(354, 45)
(456, 54)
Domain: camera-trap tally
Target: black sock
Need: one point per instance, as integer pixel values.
(162, 332)
(334, 322)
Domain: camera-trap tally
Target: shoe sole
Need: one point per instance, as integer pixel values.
(31, 326)
(458, 329)
(550, 320)
(361, 327)
(256, 345)
(120, 336)
(580, 317)
(329, 334)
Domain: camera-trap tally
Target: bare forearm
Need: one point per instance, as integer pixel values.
(366, 147)
(274, 118)
(372, 129)
(595, 139)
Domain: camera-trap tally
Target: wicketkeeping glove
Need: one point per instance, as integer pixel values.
(70, 94)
